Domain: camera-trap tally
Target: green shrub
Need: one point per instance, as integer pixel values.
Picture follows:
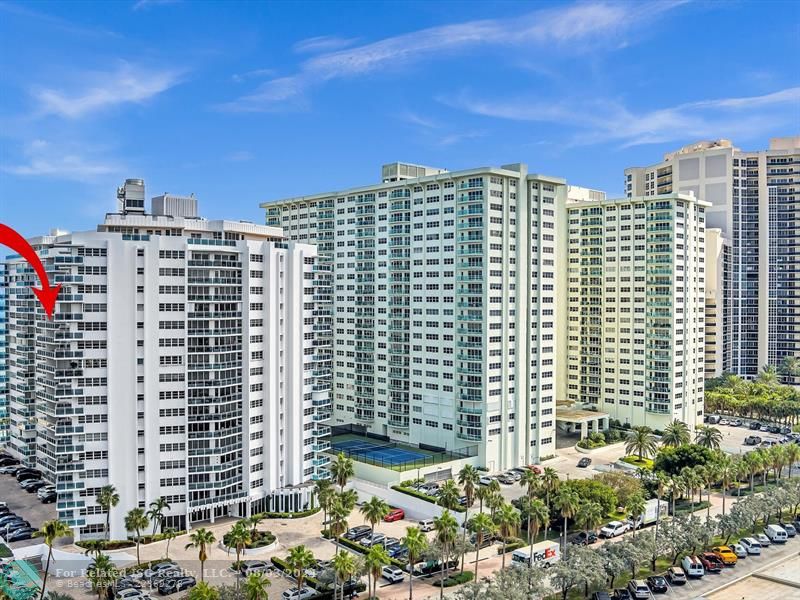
(421, 496)
(5, 551)
(290, 515)
(456, 579)
(112, 544)
(261, 539)
(512, 544)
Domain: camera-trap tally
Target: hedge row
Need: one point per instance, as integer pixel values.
(421, 496)
(363, 550)
(286, 515)
(117, 544)
(456, 579)
(511, 545)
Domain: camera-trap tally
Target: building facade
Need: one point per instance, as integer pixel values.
(636, 308)
(186, 360)
(444, 306)
(754, 202)
(4, 418)
(718, 304)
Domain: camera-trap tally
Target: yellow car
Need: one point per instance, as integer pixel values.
(726, 555)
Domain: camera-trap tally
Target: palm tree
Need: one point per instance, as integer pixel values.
(342, 469)
(344, 567)
(641, 442)
(338, 518)
(255, 521)
(480, 525)
(323, 491)
(51, 531)
(255, 586)
(201, 539)
(589, 515)
(300, 558)
(692, 482)
(101, 574)
(538, 515)
(169, 535)
(550, 483)
(726, 472)
(374, 561)
(203, 591)
(708, 437)
(107, 499)
(238, 537)
(135, 521)
(374, 510)
(156, 512)
(792, 456)
(446, 528)
(507, 520)
(493, 502)
(468, 478)
(448, 495)
(93, 547)
(636, 507)
(790, 367)
(754, 463)
(482, 493)
(768, 375)
(676, 434)
(415, 543)
(567, 501)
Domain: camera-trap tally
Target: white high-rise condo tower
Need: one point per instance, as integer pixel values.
(444, 306)
(755, 203)
(186, 360)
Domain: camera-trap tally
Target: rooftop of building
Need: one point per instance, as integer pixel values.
(432, 175)
(687, 197)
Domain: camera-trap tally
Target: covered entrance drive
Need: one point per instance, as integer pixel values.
(577, 420)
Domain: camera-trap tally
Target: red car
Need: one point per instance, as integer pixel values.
(536, 469)
(711, 562)
(395, 515)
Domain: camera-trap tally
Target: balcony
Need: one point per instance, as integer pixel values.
(472, 437)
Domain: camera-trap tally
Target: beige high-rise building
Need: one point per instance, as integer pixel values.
(718, 322)
(755, 203)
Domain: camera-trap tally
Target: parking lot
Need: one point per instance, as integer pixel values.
(26, 506)
(733, 438)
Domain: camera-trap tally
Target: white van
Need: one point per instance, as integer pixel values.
(776, 534)
(693, 567)
(426, 525)
(751, 545)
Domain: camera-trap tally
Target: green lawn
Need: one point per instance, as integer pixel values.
(638, 462)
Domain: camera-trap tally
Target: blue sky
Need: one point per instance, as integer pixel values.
(245, 102)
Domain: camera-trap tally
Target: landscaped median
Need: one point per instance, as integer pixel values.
(109, 545)
(364, 550)
(324, 589)
(258, 542)
(456, 579)
(412, 492)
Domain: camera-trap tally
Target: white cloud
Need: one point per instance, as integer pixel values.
(127, 84)
(604, 120)
(572, 28)
(254, 74)
(43, 159)
(322, 43)
(147, 4)
(240, 156)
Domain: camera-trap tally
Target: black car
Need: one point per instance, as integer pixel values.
(8, 461)
(584, 462)
(21, 534)
(16, 525)
(774, 429)
(356, 533)
(49, 498)
(582, 538)
(170, 586)
(601, 596)
(621, 594)
(25, 475)
(755, 425)
(31, 486)
(8, 519)
(657, 584)
(4, 511)
(125, 583)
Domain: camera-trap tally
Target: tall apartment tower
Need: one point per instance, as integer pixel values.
(443, 306)
(754, 202)
(185, 360)
(4, 418)
(636, 307)
(718, 304)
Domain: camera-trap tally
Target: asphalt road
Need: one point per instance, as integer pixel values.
(26, 506)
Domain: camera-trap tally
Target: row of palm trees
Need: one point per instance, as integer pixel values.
(762, 398)
(643, 443)
(108, 498)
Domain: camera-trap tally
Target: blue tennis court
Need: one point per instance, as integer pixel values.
(374, 451)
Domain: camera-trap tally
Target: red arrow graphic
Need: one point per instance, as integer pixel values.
(47, 295)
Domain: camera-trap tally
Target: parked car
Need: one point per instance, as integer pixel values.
(657, 584)
(692, 567)
(584, 462)
(392, 574)
(774, 429)
(8, 468)
(676, 576)
(739, 550)
(600, 595)
(28, 474)
(638, 589)
(371, 540)
(128, 593)
(45, 490)
(621, 594)
(394, 515)
(506, 479)
(736, 423)
(752, 440)
(49, 498)
(159, 568)
(17, 525)
(790, 529)
(124, 583)
(356, 533)
(726, 555)
(724, 422)
(485, 480)
(253, 566)
(170, 586)
(614, 528)
(301, 594)
(786, 430)
(583, 538)
(31, 485)
(751, 545)
(776, 534)
(8, 518)
(426, 525)
(25, 533)
(754, 425)
(763, 540)
(711, 562)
